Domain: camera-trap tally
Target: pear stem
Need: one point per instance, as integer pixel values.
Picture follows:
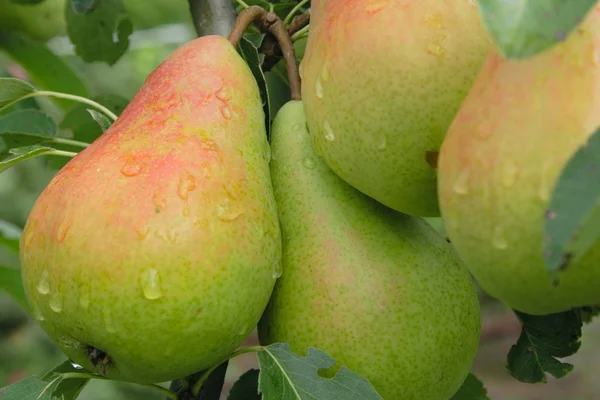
(198, 385)
(289, 55)
(84, 375)
(289, 17)
(61, 153)
(247, 17)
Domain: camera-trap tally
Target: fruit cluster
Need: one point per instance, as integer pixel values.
(162, 245)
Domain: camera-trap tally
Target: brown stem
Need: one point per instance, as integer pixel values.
(244, 19)
(299, 22)
(270, 48)
(289, 55)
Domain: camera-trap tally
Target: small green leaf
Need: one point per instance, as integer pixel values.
(101, 119)
(246, 388)
(12, 89)
(25, 127)
(46, 70)
(84, 128)
(31, 388)
(11, 283)
(84, 6)
(102, 34)
(67, 388)
(249, 52)
(21, 154)
(544, 339)
(287, 376)
(522, 28)
(471, 389)
(572, 222)
(9, 236)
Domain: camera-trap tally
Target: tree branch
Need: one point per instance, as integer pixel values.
(213, 17)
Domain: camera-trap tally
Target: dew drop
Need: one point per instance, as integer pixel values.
(227, 213)
(509, 174)
(109, 323)
(309, 163)
(226, 112)
(76, 366)
(319, 88)
(36, 312)
(150, 284)
(325, 71)
(243, 330)
(301, 70)
(55, 302)
(142, 232)
(382, 142)
(499, 240)
(268, 153)
(435, 49)
(84, 297)
(63, 230)
(375, 6)
(29, 234)
(43, 286)
(159, 201)
(277, 271)
(131, 168)
(329, 135)
(461, 184)
(186, 185)
(223, 94)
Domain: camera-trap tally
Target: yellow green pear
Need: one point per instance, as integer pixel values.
(500, 162)
(40, 21)
(379, 291)
(152, 254)
(381, 83)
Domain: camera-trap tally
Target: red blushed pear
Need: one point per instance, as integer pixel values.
(379, 291)
(153, 253)
(382, 81)
(499, 163)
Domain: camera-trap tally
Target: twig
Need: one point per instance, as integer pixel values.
(212, 17)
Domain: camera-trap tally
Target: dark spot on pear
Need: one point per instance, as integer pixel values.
(432, 158)
(157, 209)
(99, 359)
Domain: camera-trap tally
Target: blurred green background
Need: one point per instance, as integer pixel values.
(161, 25)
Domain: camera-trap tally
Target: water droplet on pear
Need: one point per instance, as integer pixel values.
(150, 284)
(43, 286)
(329, 135)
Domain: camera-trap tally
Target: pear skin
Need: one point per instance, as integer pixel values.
(153, 252)
(499, 163)
(381, 83)
(379, 291)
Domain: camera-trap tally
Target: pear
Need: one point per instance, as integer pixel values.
(40, 21)
(379, 291)
(382, 81)
(153, 253)
(499, 164)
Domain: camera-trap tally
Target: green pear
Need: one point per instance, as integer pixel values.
(153, 253)
(382, 81)
(499, 163)
(40, 21)
(379, 291)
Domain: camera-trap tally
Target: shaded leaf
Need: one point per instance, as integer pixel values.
(471, 389)
(25, 127)
(84, 6)
(101, 119)
(67, 388)
(102, 34)
(249, 53)
(246, 388)
(21, 154)
(45, 69)
(572, 223)
(522, 28)
(211, 387)
(84, 128)
(285, 376)
(11, 283)
(543, 340)
(12, 89)
(589, 313)
(9, 236)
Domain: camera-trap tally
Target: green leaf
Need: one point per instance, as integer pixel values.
(101, 119)
(589, 313)
(471, 389)
(12, 89)
(572, 220)
(286, 376)
(26, 1)
(52, 386)
(67, 388)
(246, 388)
(101, 35)
(249, 52)
(9, 236)
(25, 128)
(21, 154)
(46, 70)
(211, 387)
(522, 28)
(11, 283)
(84, 6)
(84, 128)
(544, 339)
